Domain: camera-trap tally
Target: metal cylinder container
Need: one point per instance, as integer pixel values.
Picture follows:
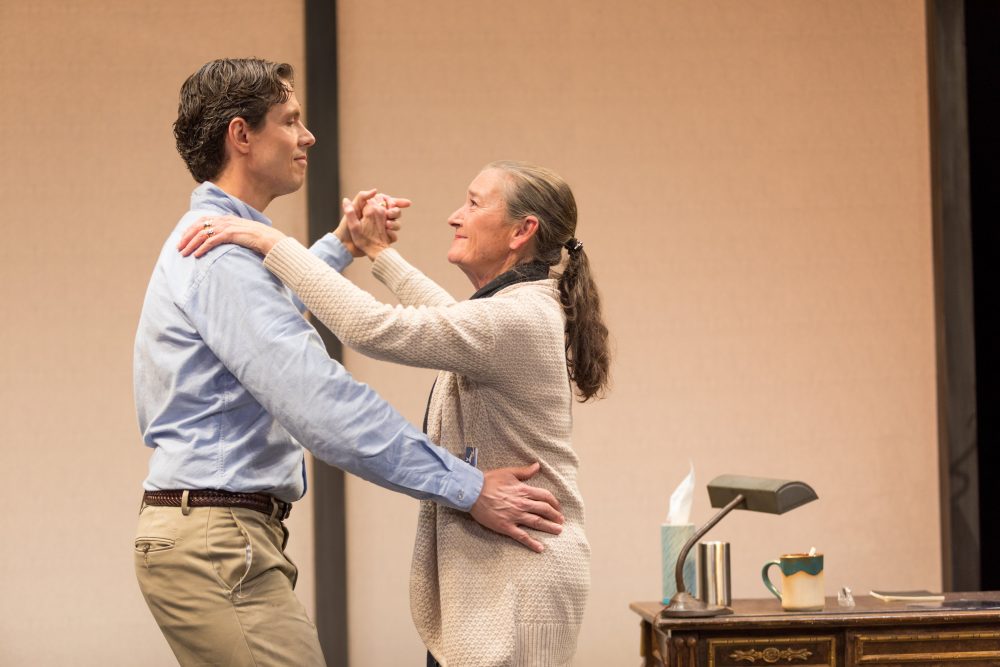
(714, 586)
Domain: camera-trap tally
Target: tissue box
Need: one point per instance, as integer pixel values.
(672, 540)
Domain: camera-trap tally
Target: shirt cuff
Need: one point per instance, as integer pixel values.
(332, 251)
(463, 487)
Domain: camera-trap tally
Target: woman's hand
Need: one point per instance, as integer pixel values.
(370, 233)
(211, 231)
(393, 206)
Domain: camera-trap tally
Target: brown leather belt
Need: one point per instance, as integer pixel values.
(260, 502)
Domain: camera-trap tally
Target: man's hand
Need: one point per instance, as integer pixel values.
(506, 504)
(393, 206)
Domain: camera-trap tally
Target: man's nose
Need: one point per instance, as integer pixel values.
(455, 218)
(307, 139)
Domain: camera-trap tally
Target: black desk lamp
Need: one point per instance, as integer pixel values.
(757, 494)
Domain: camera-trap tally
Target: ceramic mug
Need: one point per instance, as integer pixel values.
(801, 581)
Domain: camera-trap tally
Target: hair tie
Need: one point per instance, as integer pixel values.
(573, 245)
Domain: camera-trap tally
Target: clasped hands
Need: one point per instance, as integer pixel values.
(370, 223)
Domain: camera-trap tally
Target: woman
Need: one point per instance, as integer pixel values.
(502, 396)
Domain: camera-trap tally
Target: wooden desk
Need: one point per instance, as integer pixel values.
(873, 632)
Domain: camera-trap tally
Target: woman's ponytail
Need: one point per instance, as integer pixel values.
(587, 356)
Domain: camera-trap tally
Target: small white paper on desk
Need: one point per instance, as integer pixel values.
(679, 513)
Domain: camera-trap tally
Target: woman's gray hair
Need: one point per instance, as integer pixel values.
(542, 193)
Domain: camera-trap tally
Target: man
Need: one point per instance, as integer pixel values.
(231, 383)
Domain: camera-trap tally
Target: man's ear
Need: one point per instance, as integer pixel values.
(524, 231)
(238, 136)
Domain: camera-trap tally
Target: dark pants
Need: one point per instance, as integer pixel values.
(431, 662)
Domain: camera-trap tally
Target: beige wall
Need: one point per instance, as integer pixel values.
(91, 185)
(753, 186)
(752, 179)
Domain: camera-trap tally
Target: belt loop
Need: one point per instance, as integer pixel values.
(185, 509)
(274, 507)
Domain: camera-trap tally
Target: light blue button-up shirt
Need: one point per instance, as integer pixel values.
(230, 379)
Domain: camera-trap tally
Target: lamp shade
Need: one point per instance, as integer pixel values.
(761, 494)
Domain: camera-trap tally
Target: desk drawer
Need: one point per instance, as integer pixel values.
(804, 651)
(965, 647)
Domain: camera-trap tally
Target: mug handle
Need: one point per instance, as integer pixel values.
(767, 579)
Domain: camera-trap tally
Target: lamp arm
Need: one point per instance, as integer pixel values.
(679, 569)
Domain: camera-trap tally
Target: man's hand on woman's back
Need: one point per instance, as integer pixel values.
(507, 506)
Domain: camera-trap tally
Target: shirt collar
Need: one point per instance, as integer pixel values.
(210, 196)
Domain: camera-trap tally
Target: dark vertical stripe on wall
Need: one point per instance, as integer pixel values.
(953, 296)
(982, 57)
(323, 201)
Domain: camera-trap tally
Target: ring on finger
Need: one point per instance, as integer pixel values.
(209, 231)
(206, 224)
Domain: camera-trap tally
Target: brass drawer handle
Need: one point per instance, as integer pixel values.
(770, 654)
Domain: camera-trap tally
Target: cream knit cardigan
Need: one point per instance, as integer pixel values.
(477, 598)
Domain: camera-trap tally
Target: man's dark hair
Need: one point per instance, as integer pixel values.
(216, 94)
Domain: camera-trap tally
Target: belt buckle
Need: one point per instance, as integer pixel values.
(280, 509)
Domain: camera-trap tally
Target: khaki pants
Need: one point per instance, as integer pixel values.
(220, 587)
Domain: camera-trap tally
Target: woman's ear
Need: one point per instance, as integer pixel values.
(524, 231)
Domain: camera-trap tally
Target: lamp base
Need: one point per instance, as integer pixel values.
(685, 605)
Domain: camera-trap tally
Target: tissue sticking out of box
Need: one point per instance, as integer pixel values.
(679, 513)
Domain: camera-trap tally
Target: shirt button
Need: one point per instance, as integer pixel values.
(461, 494)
